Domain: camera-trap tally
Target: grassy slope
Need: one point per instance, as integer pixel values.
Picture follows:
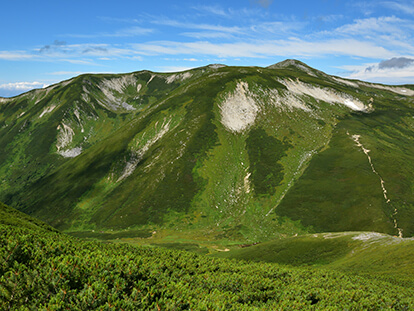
(368, 254)
(12, 217)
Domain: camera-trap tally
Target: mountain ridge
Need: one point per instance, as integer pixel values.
(228, 151)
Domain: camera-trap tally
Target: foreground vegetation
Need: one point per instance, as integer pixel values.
(44, 269)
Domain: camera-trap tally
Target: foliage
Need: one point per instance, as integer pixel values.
(45, 270)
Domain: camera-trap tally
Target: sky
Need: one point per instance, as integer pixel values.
(44, 42)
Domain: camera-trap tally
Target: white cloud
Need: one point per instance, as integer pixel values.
(192, 26)
(214, 10)
(374, 26)
(126, 32)
(173, 68)
(407, 8)
(370, 25)
(77, 61)
(260, 49)
(207, 35)
(15, 55)
(392, 71)
(65, 73)
(118, 20)
(385, 76)
(229, 13)
(16, 88)
(22, 85)
(277, 27)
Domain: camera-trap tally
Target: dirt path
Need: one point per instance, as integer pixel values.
(384, 190)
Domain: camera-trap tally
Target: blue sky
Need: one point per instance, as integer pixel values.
(43, 42)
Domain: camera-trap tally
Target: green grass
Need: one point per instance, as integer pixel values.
(295, 251)
(367, 254)
(264, 154)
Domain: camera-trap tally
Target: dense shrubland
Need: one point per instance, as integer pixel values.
(40, 269)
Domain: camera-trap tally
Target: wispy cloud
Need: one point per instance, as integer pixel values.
(259, 49)
(207, 35)
(49, 47)
(165, 21)
(390, 32)
(213, 10)
(65, 73)
(229, 13)
(16, 55)
(407, 7)
(263, 3)
(247, 31)
(126, 32)
(119, 20)
(235, 33)
(278, 28)
(373, 25)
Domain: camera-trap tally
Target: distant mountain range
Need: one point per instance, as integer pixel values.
(217, 152)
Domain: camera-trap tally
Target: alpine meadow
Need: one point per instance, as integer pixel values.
(215, 188)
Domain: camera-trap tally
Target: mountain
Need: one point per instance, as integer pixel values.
(213, 153)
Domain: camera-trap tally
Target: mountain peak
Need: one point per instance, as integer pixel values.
(216, 66)
(295, 65)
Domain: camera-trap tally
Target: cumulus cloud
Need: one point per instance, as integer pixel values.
(23, 85)
(396, 70)
(16, 88)
(396, 62)
(393, 63)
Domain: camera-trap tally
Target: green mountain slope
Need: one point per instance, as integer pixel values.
(220, 152)
(12, 217)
